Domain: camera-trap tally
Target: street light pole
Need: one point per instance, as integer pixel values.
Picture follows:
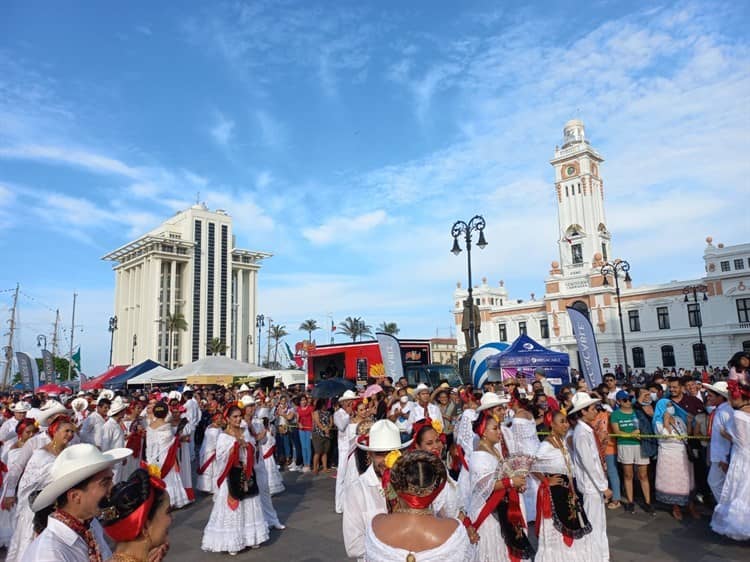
(459, 228)
(41, 341)
(112, 328)
(132, 354)
(614, 269)
(260, 321)
(694, 290)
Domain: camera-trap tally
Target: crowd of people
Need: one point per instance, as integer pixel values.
(515, 471)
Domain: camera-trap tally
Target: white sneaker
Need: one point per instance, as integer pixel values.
(294, 468)
(305, 469)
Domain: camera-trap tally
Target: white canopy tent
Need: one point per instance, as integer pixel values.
(213, 367)
(148, 376)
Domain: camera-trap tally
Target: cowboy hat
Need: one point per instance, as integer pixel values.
(348, 395)
(244, 388)
(247, 401)
(74, 465)
(421, 387)
(117, 406)
(721, 388)
(384, 436)
(21, 407)
(106, 393)
(79, 404)
(174, 395)
(490, 400)
(55, 409)
(187, 388)
(582, 400)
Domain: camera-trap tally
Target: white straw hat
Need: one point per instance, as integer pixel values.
(421, 387)
(79, 404)
(117, 406)
(247, 401)
(244, 388)
(721, 388)
(21, 407)
(384, 436)
(490, 400)
(74, 465)
(106, 393)
(582, 400)
(174, 395)
(348, 395)
(54, 410)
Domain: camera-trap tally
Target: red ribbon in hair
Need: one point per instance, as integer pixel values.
(421, 502)
(128, 528)
(58, 421)
(482, 424)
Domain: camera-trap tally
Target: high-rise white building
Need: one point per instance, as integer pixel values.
(665, 325)
(187, 266)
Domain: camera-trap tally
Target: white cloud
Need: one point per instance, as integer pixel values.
(222, 130)
(80, 158)
(273, 132)
(341, 229)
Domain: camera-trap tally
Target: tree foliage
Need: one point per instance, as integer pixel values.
(355, 328)
(389, 328)
(309, 326)
(216, 346)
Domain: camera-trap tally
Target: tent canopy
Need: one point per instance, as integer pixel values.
(210, 368)
(149, 376)
(121, 379)
(98, 382)
(525, 352)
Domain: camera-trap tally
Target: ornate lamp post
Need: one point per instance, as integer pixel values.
(461, 228)
(694, 290)
(112, 328)
(260, 321)
(614, 269)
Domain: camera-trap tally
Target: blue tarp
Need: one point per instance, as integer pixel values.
(120, 380)
(525, 352)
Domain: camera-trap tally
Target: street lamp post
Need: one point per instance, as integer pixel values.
(614, 269)
(694, 290)
(112, 328)
(132, 353)
(41, 341)
(461, 228)
(260, 321)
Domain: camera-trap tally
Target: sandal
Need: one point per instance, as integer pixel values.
(677, 512)
(614, 505)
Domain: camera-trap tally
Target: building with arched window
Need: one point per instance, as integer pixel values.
(661, 328)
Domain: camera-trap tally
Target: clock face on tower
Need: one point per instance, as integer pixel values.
(570, 171)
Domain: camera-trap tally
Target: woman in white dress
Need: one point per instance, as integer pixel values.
(236, 519)
(206, 481)
(135, 437)
(268, 450)
(36, 476)
(732, 515)
(524, 441)
(674, 472)
(495, 508)
(447, 503)
(357, 460)
(162, 446)
(12, 459)
(562, 525)
(412, 533)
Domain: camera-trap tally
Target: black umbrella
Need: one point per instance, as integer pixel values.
(332, 388)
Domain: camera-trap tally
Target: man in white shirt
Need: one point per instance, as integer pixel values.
(364, 498)
(589, 472)
(612, 389)
(91, 429)
(720, 426)
(341, 421)
(81, 479)
(8, 429)
(113, 435)
(423, 408)
(193, 415)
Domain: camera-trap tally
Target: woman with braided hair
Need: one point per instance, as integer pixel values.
(162, 448)
(36, 476)
(412, 533)
(236, 521)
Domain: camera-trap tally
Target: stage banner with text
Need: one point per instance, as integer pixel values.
(587, 350)
(48, 362)
(390, 351)
(28, 370)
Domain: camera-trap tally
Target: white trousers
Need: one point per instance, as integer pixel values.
(716, 477)
(593, 504)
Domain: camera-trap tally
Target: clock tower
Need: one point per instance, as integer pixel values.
(579, 189)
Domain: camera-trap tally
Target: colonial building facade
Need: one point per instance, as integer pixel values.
(188, 266)
(663, 323)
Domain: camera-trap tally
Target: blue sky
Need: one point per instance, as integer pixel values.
(347, 137)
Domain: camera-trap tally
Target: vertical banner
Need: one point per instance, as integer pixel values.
(390, 351)
(48, 363)
(27, 368)
(587, 350)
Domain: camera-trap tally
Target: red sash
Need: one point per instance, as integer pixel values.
(171, 461)
(269, 453)
(206, 464)
(3, 470)
(544, 509)
(234, 458)
(515, 515)
(459, 459)
(135, 444)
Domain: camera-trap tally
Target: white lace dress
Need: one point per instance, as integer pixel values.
(732, 515)
(36, 476)
(206, 482)
(7, 517)
(158, 442)
(229, 530)
(448, 504)
(551, 547)
(467, 440)
(456, 549)
(524, 441)
(275, 481)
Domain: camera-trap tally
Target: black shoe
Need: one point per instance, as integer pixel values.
(648, 508)
(629, 508)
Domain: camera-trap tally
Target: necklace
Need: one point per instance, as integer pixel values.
(413, 510)
(123, 557)
(558, 443)
(488, 448)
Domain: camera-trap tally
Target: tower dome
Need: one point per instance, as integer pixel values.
(573, 132)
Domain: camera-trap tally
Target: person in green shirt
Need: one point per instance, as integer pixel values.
(625, 421)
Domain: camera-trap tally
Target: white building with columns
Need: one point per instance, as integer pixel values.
(661, 322)
(188, 265)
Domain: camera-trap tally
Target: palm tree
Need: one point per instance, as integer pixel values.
(309, 326)
(278, 331)
(216, 346)
(389, 328)
(355, 328)
(174, 323)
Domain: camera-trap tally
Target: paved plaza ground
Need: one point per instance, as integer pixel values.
(313, 532)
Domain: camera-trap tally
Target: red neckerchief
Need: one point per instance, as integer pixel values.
(82, 530)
